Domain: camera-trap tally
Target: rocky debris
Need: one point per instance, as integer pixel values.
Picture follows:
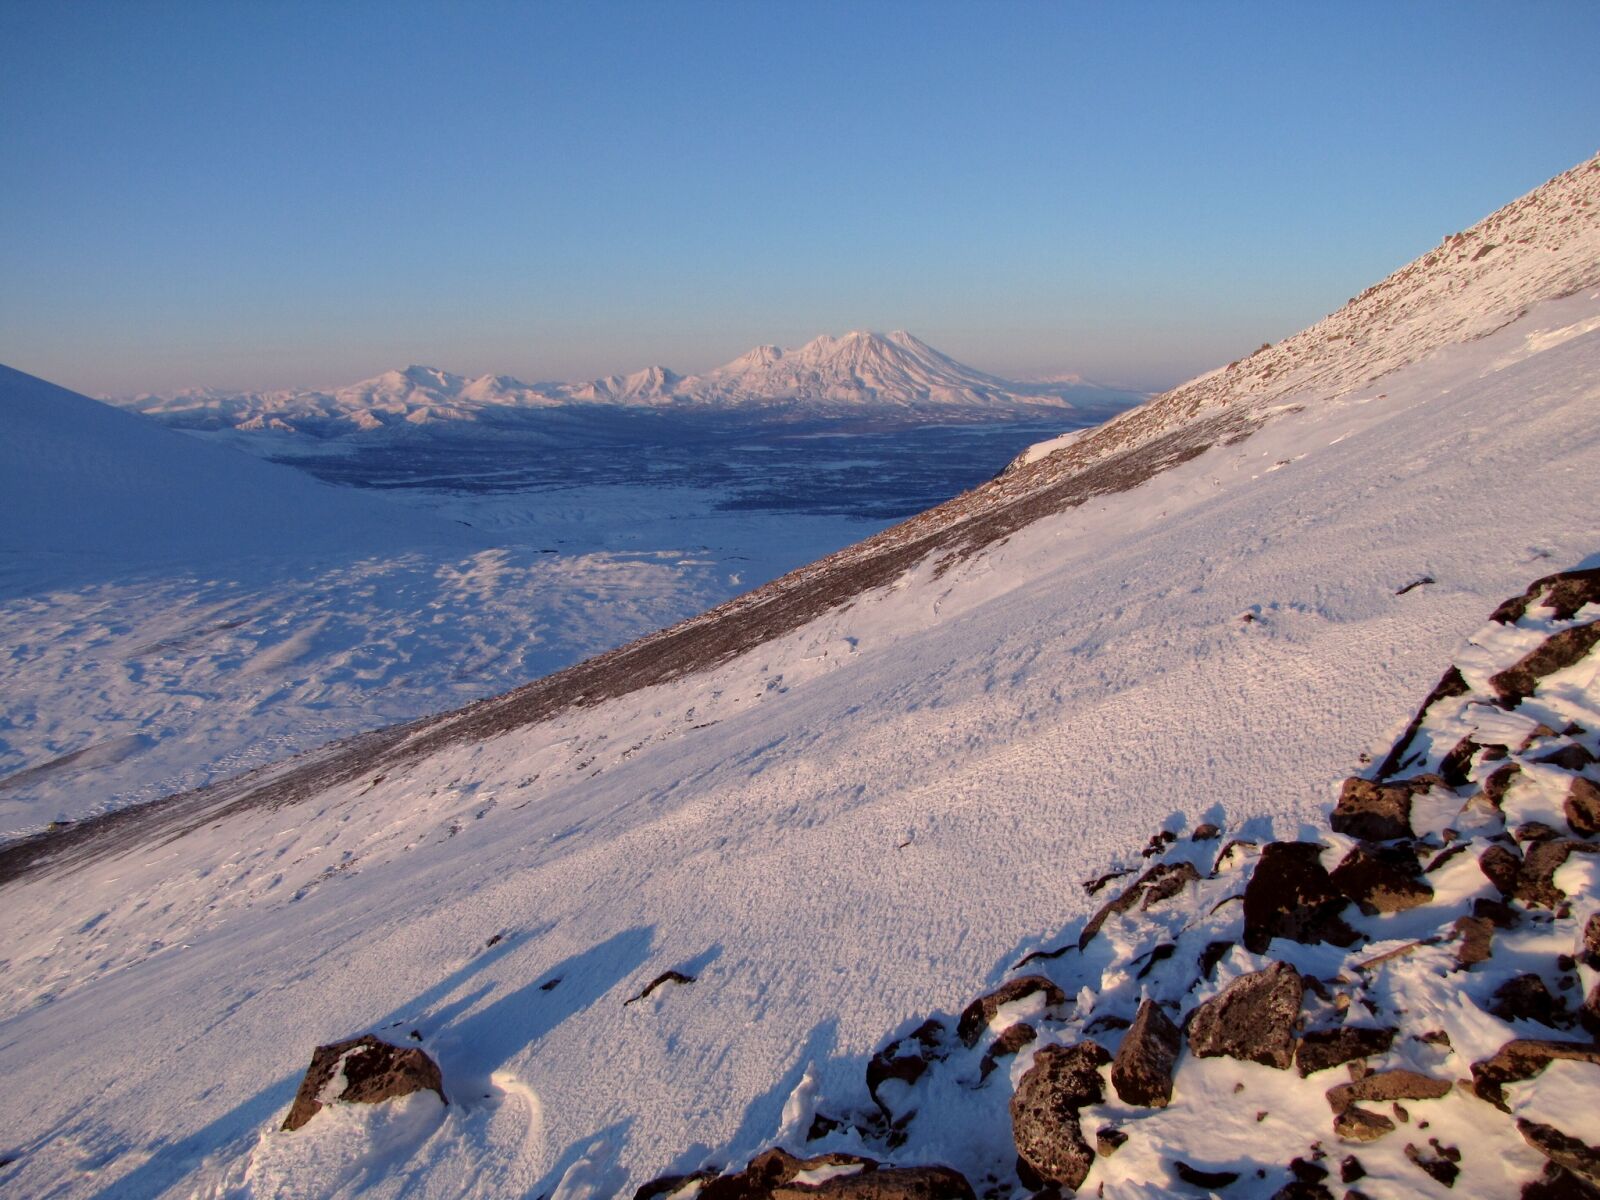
(1160, 882)
(1291, 896)
(1007, 1044)
(904, 1059)
(1455, 768)
(1559, 651)
(1202, 1178)
(1142, 1070)
(372, 1071)
(976, 1016)
(1558, 1183)
(1582, 807)
(1323, 1048)
(1477, 940)
(885, 1183)
(1441, 1163)
(1381, 879)
(1044, 1112)
(663, 978)
(1252, 1019)
(776, 1175)
(1582, 1159)
(1526, 998)
(1525, 1058)
(1590, 955)
(1158, 843)
(1299, 1189)
(1379, 812)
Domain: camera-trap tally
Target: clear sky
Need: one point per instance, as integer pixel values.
(254, 194)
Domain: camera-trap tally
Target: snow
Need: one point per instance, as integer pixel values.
(1022, 718)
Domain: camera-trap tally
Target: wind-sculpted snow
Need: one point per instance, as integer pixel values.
(891, 376)
(864, 801)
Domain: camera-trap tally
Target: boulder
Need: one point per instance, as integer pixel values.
(1501, 865)
(1582, 1159)
(372, 1071)
(1044, 1111)
(1142, 1070)
(1160, 882)
(1291, 896)
(1253, 1019)
(1582, 807)
(1441, 1164)
(1591, 942)
(1381, 881)
(976, 1016)
(774, 1175)
(1324, 1048)
(1566, 592)
(1357, 1124)
(1379, 812)
(1398, 1084)
(1201, 1178)
(1571, 757)
(1205, 832)
(1524, 1058)
(1499, 782)
(1536, 880)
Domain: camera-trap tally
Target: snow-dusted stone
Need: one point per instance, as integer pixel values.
(904, 1059)
(1526, 998)
(1563, 1149)
(976, 1016)
(1524, 1058)
(1291, 896)
(1379, 812)
(1571, 757)
(1582, 807)
(1536, 880)
(665, 1185)
(883, 1183)
(1558, 651)
(1007, 1044)
(1502, 866)
(1160, 882)
(1381, 881)
(1398, 1084)
(778, 1175)
(371, 1071)
(1357, 1124)
(1499, 782)
(1044, 1111)
(1323, 1048)
(1477, 940)
(1253, 1019)
(1450, 685)
(1441, 1163)
(1142, 1070)
(1565, 592)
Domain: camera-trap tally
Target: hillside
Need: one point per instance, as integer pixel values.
(891, 375)
(849, 800)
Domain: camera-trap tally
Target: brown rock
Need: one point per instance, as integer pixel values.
(1108, 1139)
(1291, 896)
(1566, 592)
(1356, 1124)
(1455, 768)
(373, 1070)
(1398, 1084)
(904, 1059)
(1044, 1111)
(1524, 1058)
(1526, 998)
(1477, 939)
(1558, 651)
(1536, 881)
(1160, 882)
(1571, 757)
(1441, 1164)
(1557, 1183)
(1591, 942)
(1253, 1019)
(1501, 865)
(665, 1185)
(1375, 812)
(1201, 1178)
(1381, 881)
(1324, 1048)
(1582, 807)
(1142, 1071)
(884, 1183)
(1582, 1159)
(976, 1016)
(1451, 684)
(1205, 832)
(1007, 1044)
(1498, 783)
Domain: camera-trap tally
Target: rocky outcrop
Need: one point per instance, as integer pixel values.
(1142, 1070)
(1253, 1019)
(362, 1070)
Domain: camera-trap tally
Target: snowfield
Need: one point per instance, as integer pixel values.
(866, 816)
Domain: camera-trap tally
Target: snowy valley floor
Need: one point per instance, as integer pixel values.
(839, 833)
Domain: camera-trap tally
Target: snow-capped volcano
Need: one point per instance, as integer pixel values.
(895, 374)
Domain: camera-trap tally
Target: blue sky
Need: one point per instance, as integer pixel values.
(269, 194)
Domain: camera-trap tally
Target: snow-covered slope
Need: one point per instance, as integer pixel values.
(853, 798)
(894, 374)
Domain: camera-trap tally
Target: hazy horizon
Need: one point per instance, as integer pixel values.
(259, 197)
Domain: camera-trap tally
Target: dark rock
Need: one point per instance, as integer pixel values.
(1299, 1189)
(1160, 882)
(1350, 1169)
(1501, 866)
(1307, 1171)
(1524, 1058)
(1566, 592)
(884, 1183)
(1357, 1124)
(1558, 651)
(1158, 843)
(1536, 881)
(1582, 1159)
(1381, 882)
(1533, 831)
(822, 1125)
(1290, 896)
(1557, 1183)
(1205, 832)
(976, 1016)
(1582, 807)
(1571, 757)
(1477, 940)
(1211, 956)
(1526, 998)
(1226, 853)
(1044, 1111)
(1398, 1084)
(663, 978)
(1108, 1139)
(665, 1185)
(1324, 1048)
(1420, 581)
(1499, 783)
(1004, 1046)
(1253, 1019)
(1498, 911)
(1202, 1178)
(374, 1071)
(904, 1059)
(1378, 812)
(1591, 942)
(1455, 768)
(1155, 958)
(1451, 684)
(1440, 1166)
(1445, 855)
(1142, 1071)
(1094, 885)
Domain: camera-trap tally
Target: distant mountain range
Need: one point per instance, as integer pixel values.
(861, 373)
